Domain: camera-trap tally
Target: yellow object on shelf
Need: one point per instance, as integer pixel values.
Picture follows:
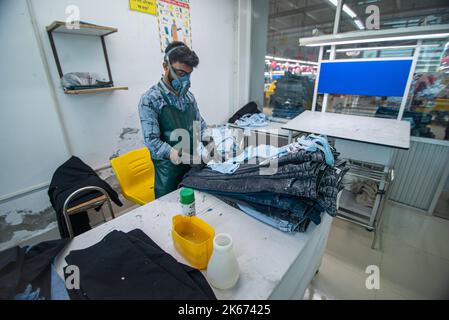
(193, 239)
(135, 174)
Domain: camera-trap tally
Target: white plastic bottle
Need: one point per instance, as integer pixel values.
(223, 268)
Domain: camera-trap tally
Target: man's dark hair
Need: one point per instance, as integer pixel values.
(182, 54)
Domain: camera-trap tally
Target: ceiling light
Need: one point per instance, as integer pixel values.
(359, 24)
(349, 11)
(385, 39)
(291, 60)
(384, 48)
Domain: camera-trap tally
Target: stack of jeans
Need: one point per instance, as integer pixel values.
(292, 94)
(302, 187)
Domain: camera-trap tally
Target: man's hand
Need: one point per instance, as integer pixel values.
(174, 157)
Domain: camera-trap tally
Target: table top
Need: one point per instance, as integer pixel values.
(264, 253)
(272, 127)
(380, 131)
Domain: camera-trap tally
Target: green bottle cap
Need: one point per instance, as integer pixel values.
(187, 196)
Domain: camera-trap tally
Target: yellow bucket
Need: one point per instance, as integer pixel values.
(193, 239)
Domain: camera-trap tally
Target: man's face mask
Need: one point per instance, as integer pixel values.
(180, 84)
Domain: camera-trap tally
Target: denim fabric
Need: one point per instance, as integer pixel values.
(287, 112)
(253, 120)
(231, 165)
(312, 143)
(294, 210)
(225, 141)
(224, 167)
(301, 175)
(288, 166)
(279, 217)
(306, 183)
(274, 222)
(29, 294)
(58, 287)
(296, 206)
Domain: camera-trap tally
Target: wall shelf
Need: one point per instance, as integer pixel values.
(85, 29)
(94, 90)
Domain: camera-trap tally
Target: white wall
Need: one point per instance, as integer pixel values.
(214, 81)
(32, 135)
(29, 127)
(94, 122)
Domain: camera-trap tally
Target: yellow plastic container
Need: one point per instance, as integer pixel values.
(193, 239)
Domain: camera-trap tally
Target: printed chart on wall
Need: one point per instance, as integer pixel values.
(174, 22)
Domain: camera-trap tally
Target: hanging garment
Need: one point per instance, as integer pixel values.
(130, 266)
(74, 174)
(292, 95)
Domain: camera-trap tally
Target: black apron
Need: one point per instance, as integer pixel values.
(168, 175)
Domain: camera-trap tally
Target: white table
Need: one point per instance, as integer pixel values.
(273, 264)
(379, 131)
(272, 127)
(367, 139)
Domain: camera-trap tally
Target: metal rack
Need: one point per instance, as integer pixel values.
(360, 214)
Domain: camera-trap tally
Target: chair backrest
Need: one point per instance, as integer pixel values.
(135, 172)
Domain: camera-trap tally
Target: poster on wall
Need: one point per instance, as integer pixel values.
(174, 22)
(145, 6)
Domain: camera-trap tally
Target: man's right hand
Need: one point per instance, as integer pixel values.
(174, 157)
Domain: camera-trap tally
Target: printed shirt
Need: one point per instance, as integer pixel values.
(150, 106)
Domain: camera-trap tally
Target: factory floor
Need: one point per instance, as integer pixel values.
(413, 259)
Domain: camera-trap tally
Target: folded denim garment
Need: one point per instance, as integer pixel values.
(310, 143)
(274, 222)
(282, 219)
(302, 187)
(231, 165)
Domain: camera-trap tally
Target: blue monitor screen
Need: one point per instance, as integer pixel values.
(370, 78)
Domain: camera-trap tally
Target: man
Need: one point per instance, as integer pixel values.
(168, 106)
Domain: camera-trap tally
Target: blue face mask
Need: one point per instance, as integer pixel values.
(181, 84)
